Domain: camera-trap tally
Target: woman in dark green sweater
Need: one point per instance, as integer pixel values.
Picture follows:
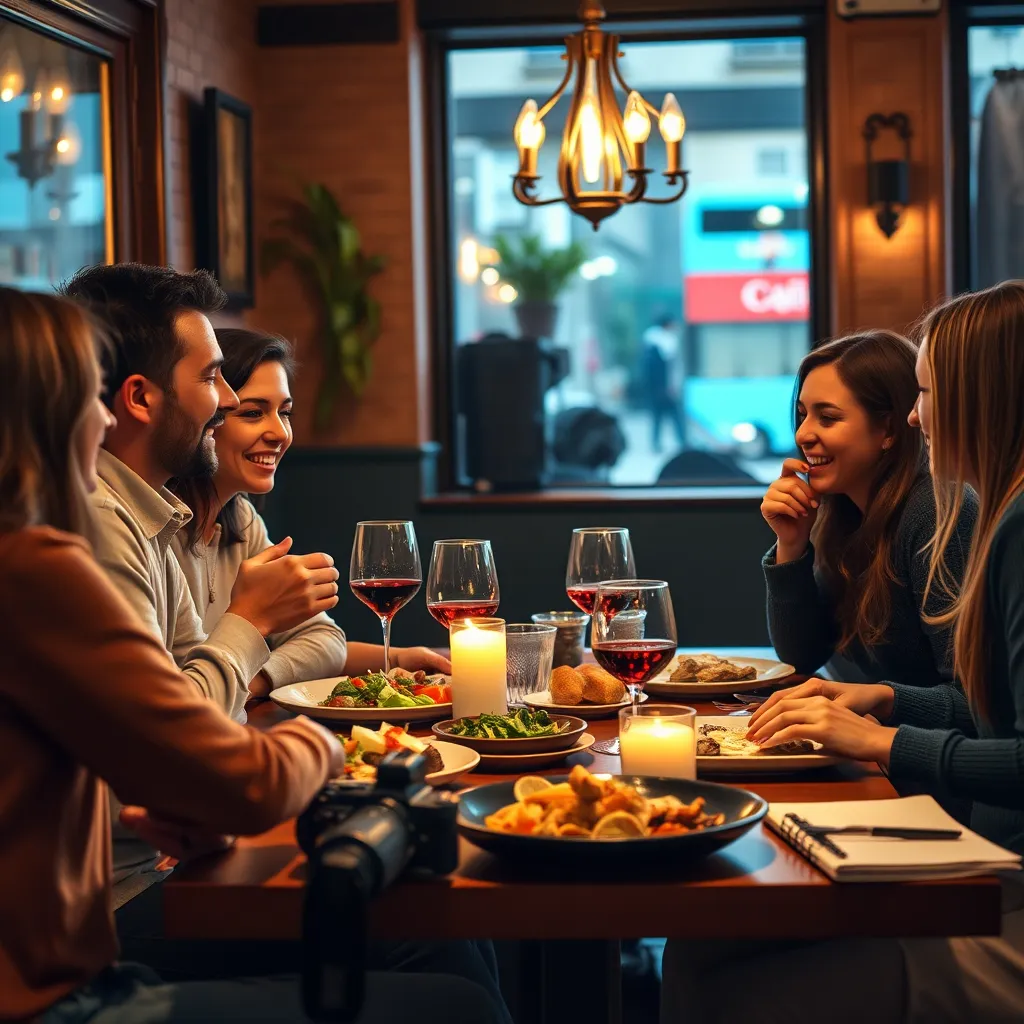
(848, 574)
(969, 742)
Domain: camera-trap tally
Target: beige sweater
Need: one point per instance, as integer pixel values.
(314, 649)
(89, 697)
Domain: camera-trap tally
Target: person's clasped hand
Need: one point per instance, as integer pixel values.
(183, 842)
(832, 714)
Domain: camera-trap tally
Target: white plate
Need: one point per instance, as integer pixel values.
(515, 763)
(456, 759)
(759, 763)
(304, 699)
(542, 699)
(768, 673)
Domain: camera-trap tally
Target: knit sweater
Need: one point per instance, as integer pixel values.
(89, 698)
(312, 650)
(941, 745)
(802, 620)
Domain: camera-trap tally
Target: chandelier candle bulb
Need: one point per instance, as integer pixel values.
(478, 668)
(637, 123)
(672, 126)
(658, 741)
(529, 137)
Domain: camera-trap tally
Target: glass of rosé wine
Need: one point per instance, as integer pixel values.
(385, 571)
(634, 634)
(462, 582)
(597, 553)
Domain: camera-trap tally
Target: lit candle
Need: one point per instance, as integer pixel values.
(656, 742)
(478, 668)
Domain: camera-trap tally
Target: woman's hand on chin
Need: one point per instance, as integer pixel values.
(838, 729)
(412, 659)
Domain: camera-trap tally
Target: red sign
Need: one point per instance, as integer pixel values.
(747, 298)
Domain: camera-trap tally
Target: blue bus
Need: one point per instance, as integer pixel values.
(745, 259)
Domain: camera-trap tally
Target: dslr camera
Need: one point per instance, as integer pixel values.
(359, 839)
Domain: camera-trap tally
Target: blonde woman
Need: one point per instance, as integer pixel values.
(89, 698)
(966, 743)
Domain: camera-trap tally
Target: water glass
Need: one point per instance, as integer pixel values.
(571, 633)
(530, 649)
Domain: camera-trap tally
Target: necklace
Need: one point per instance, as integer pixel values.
(210, 558)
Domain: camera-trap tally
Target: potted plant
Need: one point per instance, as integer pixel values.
(539, 275)
(325, 248)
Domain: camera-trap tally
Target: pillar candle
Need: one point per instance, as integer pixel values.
(478, 670)
(658, 746)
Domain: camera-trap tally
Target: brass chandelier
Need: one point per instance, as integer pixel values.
(599, 142)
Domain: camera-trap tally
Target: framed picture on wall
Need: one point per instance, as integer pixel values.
(226, 243)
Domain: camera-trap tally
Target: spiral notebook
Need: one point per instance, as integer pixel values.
(877, 859)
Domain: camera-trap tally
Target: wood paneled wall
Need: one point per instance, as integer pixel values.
(886, 65)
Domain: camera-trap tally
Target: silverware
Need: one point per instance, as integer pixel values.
(822, 832)
(733, 708)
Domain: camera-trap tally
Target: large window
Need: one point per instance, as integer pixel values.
(54, 175)
(995, 66)
(675, 344)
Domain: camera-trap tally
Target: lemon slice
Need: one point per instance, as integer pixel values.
(619, 825)
(529, 784)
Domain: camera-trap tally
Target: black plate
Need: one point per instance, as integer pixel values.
(742, 811)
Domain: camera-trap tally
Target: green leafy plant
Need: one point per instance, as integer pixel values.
(536, 273)
(325, 248)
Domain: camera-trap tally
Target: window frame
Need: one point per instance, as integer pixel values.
(804, 22)
(130, 35)
(963, 17)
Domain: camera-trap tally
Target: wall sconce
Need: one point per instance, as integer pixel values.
(888, 180)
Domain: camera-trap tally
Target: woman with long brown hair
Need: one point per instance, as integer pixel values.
(226, 529)
(90, 699)
(966, 741)
(848, 574)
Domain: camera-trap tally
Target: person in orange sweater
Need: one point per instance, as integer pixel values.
(88, 697)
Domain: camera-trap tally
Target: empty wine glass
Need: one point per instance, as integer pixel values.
(597, 553)
(634, 634)
(385, 571)
(462, 582)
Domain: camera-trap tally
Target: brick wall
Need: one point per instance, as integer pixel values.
(340, 115)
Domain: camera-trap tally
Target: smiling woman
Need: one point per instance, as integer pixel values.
(848, 574)
(226, 530)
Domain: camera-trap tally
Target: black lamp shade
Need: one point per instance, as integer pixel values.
(889, 182)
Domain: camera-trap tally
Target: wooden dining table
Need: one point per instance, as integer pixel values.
(758, 887)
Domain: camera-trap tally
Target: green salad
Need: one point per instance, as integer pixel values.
(376, 690)
(524, 724)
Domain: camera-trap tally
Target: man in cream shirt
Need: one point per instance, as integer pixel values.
(163, 384)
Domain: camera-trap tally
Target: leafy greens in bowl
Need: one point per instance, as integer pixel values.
(523, 732)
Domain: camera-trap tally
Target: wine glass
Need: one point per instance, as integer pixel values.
(634, 634)
(385, 571)
(462, 582)
(597, 553)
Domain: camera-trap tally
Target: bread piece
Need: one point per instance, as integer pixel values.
(566, 685)
(600, 686)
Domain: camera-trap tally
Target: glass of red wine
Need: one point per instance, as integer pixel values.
(462, 582)
(634, 634)
(597, 553)
(385, 571)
